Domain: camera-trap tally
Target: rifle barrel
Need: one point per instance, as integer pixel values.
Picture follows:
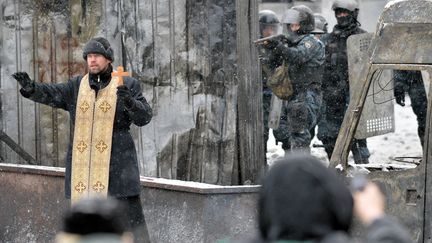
(261, 40)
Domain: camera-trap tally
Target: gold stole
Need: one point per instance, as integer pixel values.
(91, 151)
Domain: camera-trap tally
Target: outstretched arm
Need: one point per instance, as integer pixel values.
(54, 95)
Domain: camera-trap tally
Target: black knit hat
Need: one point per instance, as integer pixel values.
(99, 45)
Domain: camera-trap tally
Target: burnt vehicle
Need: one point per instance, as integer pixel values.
(402, 41)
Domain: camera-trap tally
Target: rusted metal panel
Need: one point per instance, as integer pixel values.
(10, 108)
(408, 192)
(408, 39)
(185, 55)
(404, 27)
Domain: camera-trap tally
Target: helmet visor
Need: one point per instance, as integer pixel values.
(270, 29)
(291, 16)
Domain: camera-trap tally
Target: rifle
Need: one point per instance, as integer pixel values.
(264, 41)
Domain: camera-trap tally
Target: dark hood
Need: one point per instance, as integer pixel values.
(303, 200)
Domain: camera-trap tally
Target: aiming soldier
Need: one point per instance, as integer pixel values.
(302, 56)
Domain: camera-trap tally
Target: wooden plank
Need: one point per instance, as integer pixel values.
(250, 127)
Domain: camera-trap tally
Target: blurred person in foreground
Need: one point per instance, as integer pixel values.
(303, 201)
(95, 220)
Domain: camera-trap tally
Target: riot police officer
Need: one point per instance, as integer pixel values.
(269, 25)
(335, 79)
(321, 26)
(411, 82)
(320, 30)
(303, 56)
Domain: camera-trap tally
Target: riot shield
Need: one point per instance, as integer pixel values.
(275, 112)
(378, 111)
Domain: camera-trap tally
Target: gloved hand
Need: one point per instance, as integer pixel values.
(263, 57)
(399, 94)
(272, 43)
(124, 94)
(24, 80)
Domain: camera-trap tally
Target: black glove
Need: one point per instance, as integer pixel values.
(272, 43)
(275, 41)
(399, 94)
(24, 80)
(124, 94)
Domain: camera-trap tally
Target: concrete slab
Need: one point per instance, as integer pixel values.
(176, 211)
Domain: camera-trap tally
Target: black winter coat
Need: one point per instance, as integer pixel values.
(124, 171)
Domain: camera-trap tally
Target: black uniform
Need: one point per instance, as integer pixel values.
(124, 172)
(335, 86)
(412, 82)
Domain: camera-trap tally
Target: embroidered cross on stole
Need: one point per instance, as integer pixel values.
(91, 152)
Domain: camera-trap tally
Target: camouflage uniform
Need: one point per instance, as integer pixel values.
(304, 57)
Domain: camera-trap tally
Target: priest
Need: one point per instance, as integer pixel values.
(102, 104)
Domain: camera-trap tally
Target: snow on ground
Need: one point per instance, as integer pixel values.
(403, 142)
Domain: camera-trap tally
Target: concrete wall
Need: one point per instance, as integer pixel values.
(32, 203)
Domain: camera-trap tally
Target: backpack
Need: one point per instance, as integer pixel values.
(279, 82)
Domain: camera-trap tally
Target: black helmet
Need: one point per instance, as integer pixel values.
(302, 15)
(320, 24)
(350, 5)
(268, 17)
